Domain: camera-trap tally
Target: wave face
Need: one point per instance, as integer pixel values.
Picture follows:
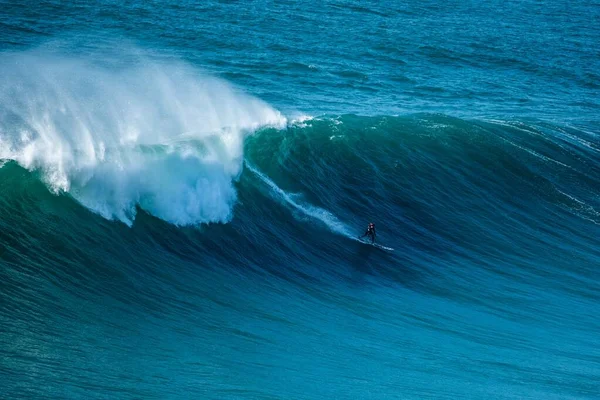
(494, 225)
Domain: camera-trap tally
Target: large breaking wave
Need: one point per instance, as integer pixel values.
(161, 136)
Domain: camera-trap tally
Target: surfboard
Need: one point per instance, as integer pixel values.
(376, 245)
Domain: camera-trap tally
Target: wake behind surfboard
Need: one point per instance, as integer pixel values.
(376, 245)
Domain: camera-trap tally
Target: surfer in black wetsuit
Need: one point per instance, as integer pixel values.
(370, 232)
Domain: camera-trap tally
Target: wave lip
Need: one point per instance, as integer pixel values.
(160, 136)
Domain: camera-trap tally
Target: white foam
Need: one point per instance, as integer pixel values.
(318, 213)
(300, 120)
(161, 136)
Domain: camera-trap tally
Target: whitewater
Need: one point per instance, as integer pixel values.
(162, 137)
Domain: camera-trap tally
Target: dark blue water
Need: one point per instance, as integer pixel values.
(182, 185)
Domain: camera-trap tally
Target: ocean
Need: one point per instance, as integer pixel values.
(182, 186)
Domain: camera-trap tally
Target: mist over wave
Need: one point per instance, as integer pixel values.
(161, 136)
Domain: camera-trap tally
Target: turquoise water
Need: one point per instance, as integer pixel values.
(181, 187)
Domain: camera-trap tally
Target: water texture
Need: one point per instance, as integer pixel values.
(182, 186)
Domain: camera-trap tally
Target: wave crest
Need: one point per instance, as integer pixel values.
(164, 137)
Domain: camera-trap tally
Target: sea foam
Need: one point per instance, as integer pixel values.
(164, 137)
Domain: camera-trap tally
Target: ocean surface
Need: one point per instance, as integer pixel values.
(182, 185)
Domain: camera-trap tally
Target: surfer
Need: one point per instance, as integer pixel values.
(370, 232)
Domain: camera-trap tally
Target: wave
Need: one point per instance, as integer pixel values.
(494, 226)
(438, 183)
(174, 142)
(161, 136)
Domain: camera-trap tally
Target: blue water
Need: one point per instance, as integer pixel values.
(181, 187)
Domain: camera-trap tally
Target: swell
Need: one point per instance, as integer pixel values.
(518, 194)
(494, 226)
(499, 214)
